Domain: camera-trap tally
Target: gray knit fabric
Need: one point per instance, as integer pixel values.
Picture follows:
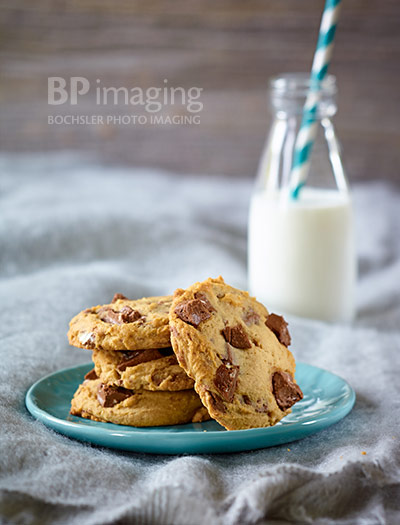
(73, 233)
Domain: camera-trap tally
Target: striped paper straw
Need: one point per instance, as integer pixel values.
(308, 128)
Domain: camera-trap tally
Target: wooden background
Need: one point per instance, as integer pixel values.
(229, 48)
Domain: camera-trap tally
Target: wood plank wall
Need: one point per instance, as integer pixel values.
(229, 48)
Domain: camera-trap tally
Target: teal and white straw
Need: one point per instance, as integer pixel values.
(308, 128)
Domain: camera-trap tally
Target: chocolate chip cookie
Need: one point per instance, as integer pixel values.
(236, 352)
(152, 369)
(101, 402)
(123, 325)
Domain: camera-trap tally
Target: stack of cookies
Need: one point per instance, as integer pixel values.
(210, 350)
(136, 378)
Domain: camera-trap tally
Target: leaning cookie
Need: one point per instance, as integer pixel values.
(99, 402)
(236, 353)
(152, 369)
(123, 325)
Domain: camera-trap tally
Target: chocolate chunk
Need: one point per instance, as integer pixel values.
(285, 390)
(279, 326)
(204, 299)
(193, 312)
(141, 356)
(117, 297)
(91, 375)
(109, 395)
(226, 380)
(126, 315)
(236, 336)
(216, 402)
(108, 315)
(129, 315)
(251, 317)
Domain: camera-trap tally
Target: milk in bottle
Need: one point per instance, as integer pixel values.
(301, 253)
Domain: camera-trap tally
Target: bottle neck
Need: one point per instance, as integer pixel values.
(288, 95)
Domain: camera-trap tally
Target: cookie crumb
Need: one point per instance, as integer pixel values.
(340, 457)
(363, 453)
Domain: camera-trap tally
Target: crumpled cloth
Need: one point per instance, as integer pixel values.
(71, 234)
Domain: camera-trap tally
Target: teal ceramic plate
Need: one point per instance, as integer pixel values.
(327, 399)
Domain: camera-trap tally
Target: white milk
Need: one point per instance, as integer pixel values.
(301, 254)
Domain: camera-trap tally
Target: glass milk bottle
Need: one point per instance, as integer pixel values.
(301, 251)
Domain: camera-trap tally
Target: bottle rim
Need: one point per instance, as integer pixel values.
(300, 84)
